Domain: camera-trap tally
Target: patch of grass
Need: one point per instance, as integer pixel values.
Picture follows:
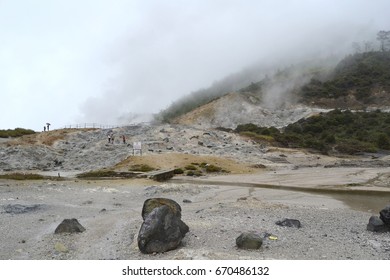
(210, 168)
(98, 174)
(178, 171)
(17, 132)
(195, 173)
(258, 137)
(22, 176)
(141, 168)
(190, 167)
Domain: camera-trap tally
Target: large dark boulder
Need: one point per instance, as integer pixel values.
(69, 226)
(162, 229)
(289, 223)
(249, 240)
(376, 224)
(385, 215)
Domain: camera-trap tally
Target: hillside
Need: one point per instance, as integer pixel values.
(335, 132)
(234, 109)
(358, 81)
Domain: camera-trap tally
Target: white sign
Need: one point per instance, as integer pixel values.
(137, 146)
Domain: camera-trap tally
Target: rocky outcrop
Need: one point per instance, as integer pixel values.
(69, 226)
(89, 150)
(162, 229)
(249, 240)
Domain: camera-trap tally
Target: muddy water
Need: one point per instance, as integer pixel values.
(364, 201)
(367, 201)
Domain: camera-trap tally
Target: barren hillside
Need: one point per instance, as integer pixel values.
(235, 108)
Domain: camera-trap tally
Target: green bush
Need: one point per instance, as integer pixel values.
(178, 171)
(196, 173)
(191, 167)
(210, 168)
(383, 141)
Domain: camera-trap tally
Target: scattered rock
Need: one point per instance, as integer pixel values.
(249, 240)
(162, 229)
(385, 215)
(69, 226)
(289, 223)
(21, 209)
(375, 224)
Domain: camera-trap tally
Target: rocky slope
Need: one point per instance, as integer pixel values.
(235, 108)
(90, 150)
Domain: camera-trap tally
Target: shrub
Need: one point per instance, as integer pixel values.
(212, 168)
(141, 168)
(190, 167)
(383, 141)
(194, 173)
(178, 171)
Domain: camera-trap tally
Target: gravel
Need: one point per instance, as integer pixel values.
(111, 213)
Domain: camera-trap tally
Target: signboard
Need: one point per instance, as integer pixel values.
(137, 146)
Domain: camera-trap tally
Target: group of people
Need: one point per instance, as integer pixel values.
(46, 127)
(111, 139)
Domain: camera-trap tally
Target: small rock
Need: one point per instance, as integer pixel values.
(59, 247)
(69, 226)
(289, 223)
(376, 224)
(187, 201)
(249, 240)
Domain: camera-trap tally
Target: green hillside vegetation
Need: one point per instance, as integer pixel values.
(17, 132)
(363, 76)
(334, 132)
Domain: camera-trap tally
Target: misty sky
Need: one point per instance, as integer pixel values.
(68, 62)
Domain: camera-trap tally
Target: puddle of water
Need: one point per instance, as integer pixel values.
(367, 201)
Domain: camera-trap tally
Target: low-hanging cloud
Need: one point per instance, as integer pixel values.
(177, 48)
(135, 57)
